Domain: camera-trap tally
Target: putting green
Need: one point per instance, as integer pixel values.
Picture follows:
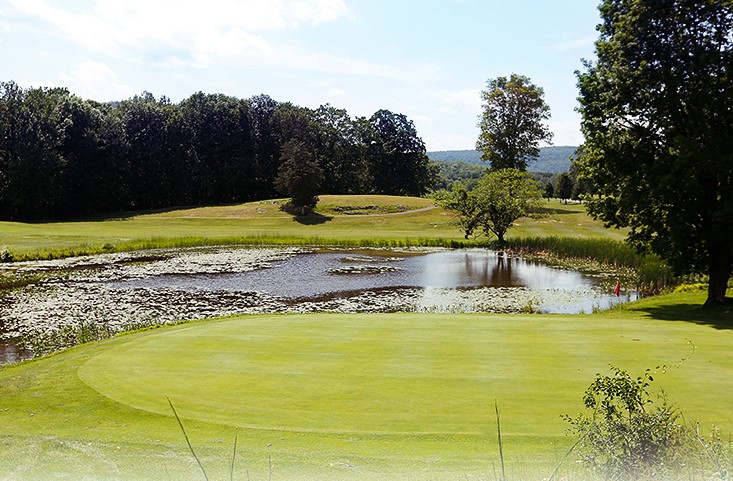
(333, 397)
(399, 374)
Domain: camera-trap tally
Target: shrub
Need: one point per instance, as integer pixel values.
(632, 436)
(628, 436)
(6, 255)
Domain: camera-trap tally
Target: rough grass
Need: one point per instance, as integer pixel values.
(390, 396)
(263, 222)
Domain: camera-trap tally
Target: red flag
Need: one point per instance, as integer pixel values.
(617, 289)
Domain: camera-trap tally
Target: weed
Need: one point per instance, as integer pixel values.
(195, 456)
(648, 273)
(631, 436)
(698, 286)
(6, 254)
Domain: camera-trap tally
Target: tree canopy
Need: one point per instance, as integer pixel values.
(63, 156)
(657, 110)
(512, 122)
(397, 156)
(299, 176)
(500, 198)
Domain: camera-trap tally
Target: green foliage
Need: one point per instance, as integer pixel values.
(501, 197)
(608, 251)
(63, 156)
(549, 192)
(453, 172)
(628, 436)
(691, 287)
(511, 123)
(564, 187)
(465, 204)
(299, 176)
(505, 195)
(6, 254)
(398, 162)
(657, 109)
(632, 435)
(646, 272)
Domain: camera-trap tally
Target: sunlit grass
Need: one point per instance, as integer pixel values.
(327, 396)
(265, 222)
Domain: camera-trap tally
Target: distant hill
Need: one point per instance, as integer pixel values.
(554, 160)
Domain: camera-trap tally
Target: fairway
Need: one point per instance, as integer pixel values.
(389, 396)
(409, 220)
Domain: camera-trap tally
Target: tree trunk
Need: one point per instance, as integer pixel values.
(719, 273)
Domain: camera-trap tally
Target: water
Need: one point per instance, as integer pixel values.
(10, 352)
(315, 275)
(120, 291)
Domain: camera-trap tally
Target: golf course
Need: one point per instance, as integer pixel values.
(331, 396)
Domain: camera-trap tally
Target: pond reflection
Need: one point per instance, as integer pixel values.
(317, 274)
(111, 293)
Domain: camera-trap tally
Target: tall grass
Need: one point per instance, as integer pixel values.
(649, 273)
(171, 243)
(607, 251)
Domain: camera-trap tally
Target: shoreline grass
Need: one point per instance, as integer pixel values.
(263, 223)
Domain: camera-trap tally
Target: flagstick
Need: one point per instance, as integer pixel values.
(620, 315)
(617, 291)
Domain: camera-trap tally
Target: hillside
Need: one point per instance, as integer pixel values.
(554, 160)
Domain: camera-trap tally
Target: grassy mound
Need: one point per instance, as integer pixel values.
(387, 396)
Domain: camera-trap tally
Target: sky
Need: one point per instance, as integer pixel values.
(427, 59)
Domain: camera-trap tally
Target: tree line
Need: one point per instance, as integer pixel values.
(64, 156)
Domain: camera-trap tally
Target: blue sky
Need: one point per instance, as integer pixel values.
(427, 59)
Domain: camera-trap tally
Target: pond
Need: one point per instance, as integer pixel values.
(100, 295)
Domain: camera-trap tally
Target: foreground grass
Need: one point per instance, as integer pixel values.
(390, 396)
(394, 221)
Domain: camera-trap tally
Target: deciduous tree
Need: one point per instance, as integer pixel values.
(657, 109)
(398, 160)
(500, 198)
(564, 187)
(299, 176)
(512, 122)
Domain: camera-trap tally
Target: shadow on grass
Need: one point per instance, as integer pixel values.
(554, 210)
(312, 218)
(309, 218)
(718, 317)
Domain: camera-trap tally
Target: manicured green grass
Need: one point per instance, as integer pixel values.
(264, 222)
(330, 396)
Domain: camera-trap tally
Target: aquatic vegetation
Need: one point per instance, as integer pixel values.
(82, 299)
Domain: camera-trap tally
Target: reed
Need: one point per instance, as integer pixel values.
(647, 272)
(255, 240)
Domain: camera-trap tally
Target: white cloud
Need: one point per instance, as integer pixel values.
(226, 27)
(185, 33)
(567, 132)
(336, 92)
(94, 80)
(464, 100)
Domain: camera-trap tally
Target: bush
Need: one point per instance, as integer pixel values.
(628, 436)
(631, 436)
(6, 255)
